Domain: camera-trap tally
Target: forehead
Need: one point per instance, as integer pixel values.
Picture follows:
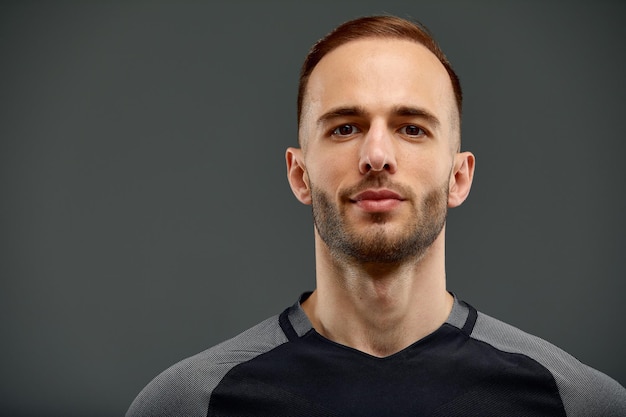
(378, 73)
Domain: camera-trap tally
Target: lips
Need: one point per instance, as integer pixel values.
(377, 201)
(377, 195)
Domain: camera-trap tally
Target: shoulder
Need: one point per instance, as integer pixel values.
(185, 388)
(584, 390)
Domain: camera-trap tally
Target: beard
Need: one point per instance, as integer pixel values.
(377, 244)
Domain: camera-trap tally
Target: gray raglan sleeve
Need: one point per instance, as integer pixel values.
(184, 389)
(585, 392)
(594, 394)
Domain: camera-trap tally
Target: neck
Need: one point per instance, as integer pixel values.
(379, 309)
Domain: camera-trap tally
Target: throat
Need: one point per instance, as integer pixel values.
(380, 325)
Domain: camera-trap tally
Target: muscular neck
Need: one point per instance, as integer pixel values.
(379, 309)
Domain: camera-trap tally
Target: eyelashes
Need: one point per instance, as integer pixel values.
(348, 130)
(345, 130)
(413, 131)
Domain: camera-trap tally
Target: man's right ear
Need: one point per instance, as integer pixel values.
(297, 176)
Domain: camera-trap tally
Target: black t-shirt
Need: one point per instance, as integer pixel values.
(473, 365)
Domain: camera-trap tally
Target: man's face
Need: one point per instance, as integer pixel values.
(379, 133)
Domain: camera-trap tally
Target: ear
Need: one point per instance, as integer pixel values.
(461, 178)
(297, 176)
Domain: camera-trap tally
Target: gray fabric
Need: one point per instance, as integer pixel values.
(458, 315)
(299, 320)
(184, 389)
(584, 391)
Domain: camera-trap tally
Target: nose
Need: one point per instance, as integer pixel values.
(377, 152)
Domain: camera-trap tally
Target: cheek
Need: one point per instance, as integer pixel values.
(330, 168)
(426, 167)
(323, 176)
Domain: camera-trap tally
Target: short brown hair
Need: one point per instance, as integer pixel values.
(374, 27)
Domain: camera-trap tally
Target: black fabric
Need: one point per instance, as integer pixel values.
(288, 329)
(444, 374)
(473, 365)
(471, 320)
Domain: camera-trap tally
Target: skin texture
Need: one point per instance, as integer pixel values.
(380, 165)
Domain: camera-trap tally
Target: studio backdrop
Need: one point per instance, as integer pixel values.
(145, 213)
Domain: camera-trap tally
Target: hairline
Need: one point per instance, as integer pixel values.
(304, 80)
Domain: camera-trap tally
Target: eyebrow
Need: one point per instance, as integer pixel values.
(417, 112)
(358, 111)
(338, 112)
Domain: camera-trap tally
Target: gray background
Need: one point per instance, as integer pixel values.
(145, 214)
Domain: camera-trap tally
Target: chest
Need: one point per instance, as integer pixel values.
(446, 374)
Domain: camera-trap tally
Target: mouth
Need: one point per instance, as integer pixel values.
(377, 201)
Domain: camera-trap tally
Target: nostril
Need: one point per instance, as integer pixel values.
(386, 166)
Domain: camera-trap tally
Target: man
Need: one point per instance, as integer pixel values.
(379, 113)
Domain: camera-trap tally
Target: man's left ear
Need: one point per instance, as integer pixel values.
(461, 178)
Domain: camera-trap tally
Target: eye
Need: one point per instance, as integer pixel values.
(412, 131)
(345, 130)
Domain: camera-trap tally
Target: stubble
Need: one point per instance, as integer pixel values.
(377, 243)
